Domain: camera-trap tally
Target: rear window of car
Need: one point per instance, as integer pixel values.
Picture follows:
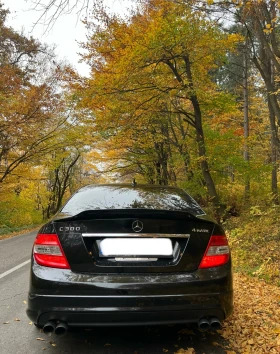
(120, 197)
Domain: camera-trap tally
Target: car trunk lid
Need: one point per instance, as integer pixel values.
(139, 241)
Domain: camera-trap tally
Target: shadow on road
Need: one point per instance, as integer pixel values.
(138, 340)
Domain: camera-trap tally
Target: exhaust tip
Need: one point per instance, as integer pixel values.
(61, 329)
(215, 324)
(203, 324)
(49, 327)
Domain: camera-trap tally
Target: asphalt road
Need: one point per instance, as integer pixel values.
(19, 335)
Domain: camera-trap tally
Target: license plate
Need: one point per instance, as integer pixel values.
(135, 259)
(136, 247)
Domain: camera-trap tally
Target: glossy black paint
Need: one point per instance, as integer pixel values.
(88, 300)
(77, 248)
(98, 291)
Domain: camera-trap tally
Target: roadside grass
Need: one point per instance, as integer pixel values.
(8, 232)
(254, 238)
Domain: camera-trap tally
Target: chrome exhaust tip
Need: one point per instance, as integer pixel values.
(215, 324)
(203, 324)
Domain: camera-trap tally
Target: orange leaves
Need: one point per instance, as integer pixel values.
(254, 326)
(185, 351)
(145, 73)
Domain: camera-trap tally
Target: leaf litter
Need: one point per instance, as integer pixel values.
(254, 327)
(185, 351)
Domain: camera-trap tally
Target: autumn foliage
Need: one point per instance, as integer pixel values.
(39, 130)
(180, 93)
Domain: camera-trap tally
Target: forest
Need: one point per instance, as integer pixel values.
(181, 93)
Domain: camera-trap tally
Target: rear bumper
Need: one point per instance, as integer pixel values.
(63, 309)
(114, 300)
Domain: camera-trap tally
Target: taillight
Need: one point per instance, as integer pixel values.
(48, 252)
(217, 252)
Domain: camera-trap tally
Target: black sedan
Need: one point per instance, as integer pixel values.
(130, 255)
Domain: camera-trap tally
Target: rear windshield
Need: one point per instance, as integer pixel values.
(121, 197)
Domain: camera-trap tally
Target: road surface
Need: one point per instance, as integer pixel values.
(19, 336)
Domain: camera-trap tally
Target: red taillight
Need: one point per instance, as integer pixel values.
(217, 252)
(48, 251)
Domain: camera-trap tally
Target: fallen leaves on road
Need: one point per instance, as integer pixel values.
(42, 339)
(217, 344)
(17, 319)
(6, 322)
(185, 351)
(254, 327)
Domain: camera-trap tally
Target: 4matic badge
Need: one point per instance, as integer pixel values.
(200, 230)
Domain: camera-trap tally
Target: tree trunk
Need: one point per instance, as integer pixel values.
(211, 188)
(274, 143)
(266, 69)
(246, 123)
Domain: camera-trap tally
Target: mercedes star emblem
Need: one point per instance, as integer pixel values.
(137, 226)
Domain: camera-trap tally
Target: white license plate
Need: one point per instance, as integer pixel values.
(136, 247)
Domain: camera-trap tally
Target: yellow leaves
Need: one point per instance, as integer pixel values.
(235, 38)
(251, 329)
(216, 344)
(239, 3)
(268, 28)
(185, 351)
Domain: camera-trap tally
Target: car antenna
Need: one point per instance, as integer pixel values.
(134, 183)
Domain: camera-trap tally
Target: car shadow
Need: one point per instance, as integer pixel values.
(179, 339)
